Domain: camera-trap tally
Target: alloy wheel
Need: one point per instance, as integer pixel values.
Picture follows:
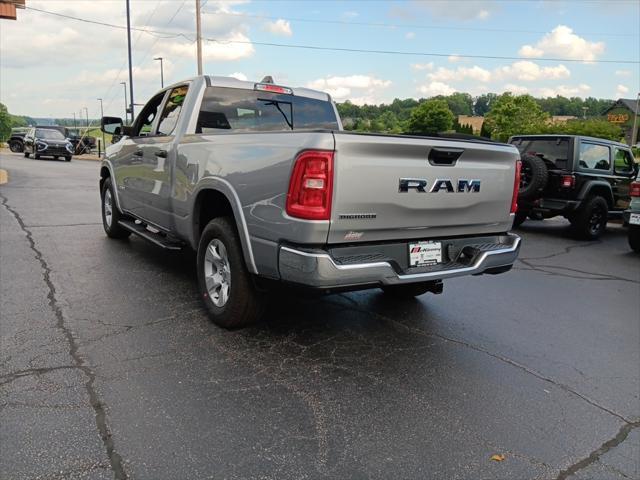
(217, 273)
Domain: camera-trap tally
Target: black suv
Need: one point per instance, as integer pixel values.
(584, 179)
(41, 142)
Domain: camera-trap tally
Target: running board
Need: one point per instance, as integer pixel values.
(155, 238)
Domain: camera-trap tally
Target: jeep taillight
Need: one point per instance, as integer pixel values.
(516, 186)
(311, 186)
(568, 181)
(634, 189)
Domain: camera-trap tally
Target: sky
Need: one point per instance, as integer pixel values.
(52, 66)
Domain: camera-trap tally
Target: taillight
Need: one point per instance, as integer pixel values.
(516, 186)
(568, 181)
(634, 189)
(311, 186)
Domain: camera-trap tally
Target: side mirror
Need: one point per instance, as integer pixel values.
(111, 125)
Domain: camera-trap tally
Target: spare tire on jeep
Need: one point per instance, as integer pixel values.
(533, 177)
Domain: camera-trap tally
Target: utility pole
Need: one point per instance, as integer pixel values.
(584, 112)
(74, 120)
(634, 132)
(130, 66)
(86, 111)
(161, 72)
(126, 105)
(104, 142)
(198, 37)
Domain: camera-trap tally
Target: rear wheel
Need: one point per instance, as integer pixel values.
(110, 213)
(519, 219)
(36, 156)
(226, 286)
(634, 238)
(15, 146)
(591, 219)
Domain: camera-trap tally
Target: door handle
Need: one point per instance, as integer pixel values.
(161, 153)
(444, 156)
(138, 153)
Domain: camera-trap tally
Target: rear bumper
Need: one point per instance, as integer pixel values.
(472, 256)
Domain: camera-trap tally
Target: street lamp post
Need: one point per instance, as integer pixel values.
(126, 105)
(74, 120)
(104, 142)
(161, 72)
(86, 111)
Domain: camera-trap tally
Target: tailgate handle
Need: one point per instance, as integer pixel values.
(444, 156)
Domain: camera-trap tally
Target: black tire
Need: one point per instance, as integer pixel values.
(519, 219)
(67, 158)
(244, 304)
(36, 156)
(590, 221)
(111, 226)
(26, 154)
(15, 146)
(409, 290)
(634, 238)
(534, 176)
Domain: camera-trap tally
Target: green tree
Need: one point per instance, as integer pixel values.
(511, 115)
(484, 103)
(5, 123)
(595, 127)
(430, 117)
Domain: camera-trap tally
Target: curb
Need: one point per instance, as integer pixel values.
(4, 177)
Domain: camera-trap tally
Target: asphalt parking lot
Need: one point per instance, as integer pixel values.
(109, 367)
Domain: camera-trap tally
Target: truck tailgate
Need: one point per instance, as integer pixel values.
(370, 204)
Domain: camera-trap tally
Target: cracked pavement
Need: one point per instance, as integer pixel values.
(109, 367)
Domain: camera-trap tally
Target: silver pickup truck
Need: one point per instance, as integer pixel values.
(262, 181)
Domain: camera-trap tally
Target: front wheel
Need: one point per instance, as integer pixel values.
(67, 158)
(36, 156)
(227, 289)
(634, 238)
(590, 221)
(110, 213)
(26, 154)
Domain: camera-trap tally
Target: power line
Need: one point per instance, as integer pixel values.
(417, 54)
(404, 25)
(340, 49)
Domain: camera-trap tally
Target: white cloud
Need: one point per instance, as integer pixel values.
(516, 89)
(359, 89)
(564, 90)
(432, 89)
(623, 73)
(222, 50)
(475, 73)
(527, 71)
(422, 66)
(562, 42)
(410, 35)
(349, 15)
(454, 58)
(621, 91)
(280, 27)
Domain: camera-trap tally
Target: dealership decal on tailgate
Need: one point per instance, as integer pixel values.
(634, 219)
(425, 253)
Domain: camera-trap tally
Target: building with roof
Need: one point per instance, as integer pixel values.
(623, 113)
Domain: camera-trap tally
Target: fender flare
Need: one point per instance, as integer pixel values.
(591, 184)
(108, 166)
(222, 186)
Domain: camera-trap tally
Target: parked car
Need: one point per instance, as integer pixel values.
(49, 142)
(82, 143)
(584, 179)
(262, 181)
(632, 216)
(16, 140)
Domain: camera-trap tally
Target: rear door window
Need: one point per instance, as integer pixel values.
(622, 161)
(594, 156)
(242, 110)
(554, 151)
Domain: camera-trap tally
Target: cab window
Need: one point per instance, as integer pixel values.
(171, 111)
(594, 156)
(623, 163)
(144, 121)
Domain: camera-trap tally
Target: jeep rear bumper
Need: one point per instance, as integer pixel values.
(359, 266)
